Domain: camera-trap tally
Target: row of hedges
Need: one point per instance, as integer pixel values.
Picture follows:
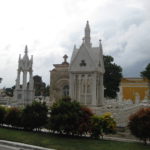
(30, 117)
(71, 118)
(65, 117)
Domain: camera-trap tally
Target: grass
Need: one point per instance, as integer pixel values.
(67, 143)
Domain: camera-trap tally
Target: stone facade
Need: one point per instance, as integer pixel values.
(24, 92)
(86, 72)
(83, 78)
(59, 81)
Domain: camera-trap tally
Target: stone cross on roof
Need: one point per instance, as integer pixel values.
(65, 58)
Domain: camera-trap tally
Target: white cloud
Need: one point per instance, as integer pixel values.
(51, 28)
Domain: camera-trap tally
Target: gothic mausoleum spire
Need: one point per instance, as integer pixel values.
(26, 49)
(87, 37)
(100, 44)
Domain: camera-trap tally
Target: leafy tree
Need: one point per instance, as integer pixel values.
(2, 114)
(69, 117)
(96, 126)
(112, 77)
(13, 117)
(146, 74)
(100, 125)
(39, 85)
(84, 122)
(9, 91)
(34, 116)
(47, 90)
(139, 124)
(108, 122)
(64, 117)
(1, 80)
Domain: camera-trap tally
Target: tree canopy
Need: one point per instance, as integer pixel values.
(40, 86)
(112, 77)
(139, 124)
(146, 72)
(1, 79)
(71, 118)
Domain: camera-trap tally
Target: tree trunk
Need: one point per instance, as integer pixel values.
(145, 141)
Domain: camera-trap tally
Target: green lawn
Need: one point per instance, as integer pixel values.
(67, 143)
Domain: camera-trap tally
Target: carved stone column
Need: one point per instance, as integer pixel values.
(94, 101)
(25, 80)
(18, 80)
(101, 90)
(79, 87)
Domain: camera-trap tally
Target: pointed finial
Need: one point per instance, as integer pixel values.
(100, 45)
(26, 49)
(87, 38)
(100, 41)
(87, 25)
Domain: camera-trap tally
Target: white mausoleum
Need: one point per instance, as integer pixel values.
(24, 92)
(86, 72)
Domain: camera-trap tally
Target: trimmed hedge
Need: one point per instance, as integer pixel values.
(69, 117)
(2, 114)
(66, 117)
(29, 118)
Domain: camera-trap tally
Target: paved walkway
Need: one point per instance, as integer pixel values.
(19, 146)
(123, 139)
(120, 139)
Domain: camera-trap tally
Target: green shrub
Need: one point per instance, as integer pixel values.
(2, 114)
(34, 116)
(84, 122)
(101, 125)
(64, 117)
(96, 126)
(13, 117)
(69, 117)
(139, 124)
(109, 124)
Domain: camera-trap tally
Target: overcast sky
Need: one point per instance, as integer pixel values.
(50, 28)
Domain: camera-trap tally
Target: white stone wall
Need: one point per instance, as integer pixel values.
(120, 110)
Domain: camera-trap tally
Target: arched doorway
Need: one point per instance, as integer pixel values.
(66, 90)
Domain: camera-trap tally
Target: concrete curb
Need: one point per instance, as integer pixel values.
(123, 139)
(120, 139)
(22, 146)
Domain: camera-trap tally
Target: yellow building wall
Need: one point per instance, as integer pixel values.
(130, 92)
(132, 86)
